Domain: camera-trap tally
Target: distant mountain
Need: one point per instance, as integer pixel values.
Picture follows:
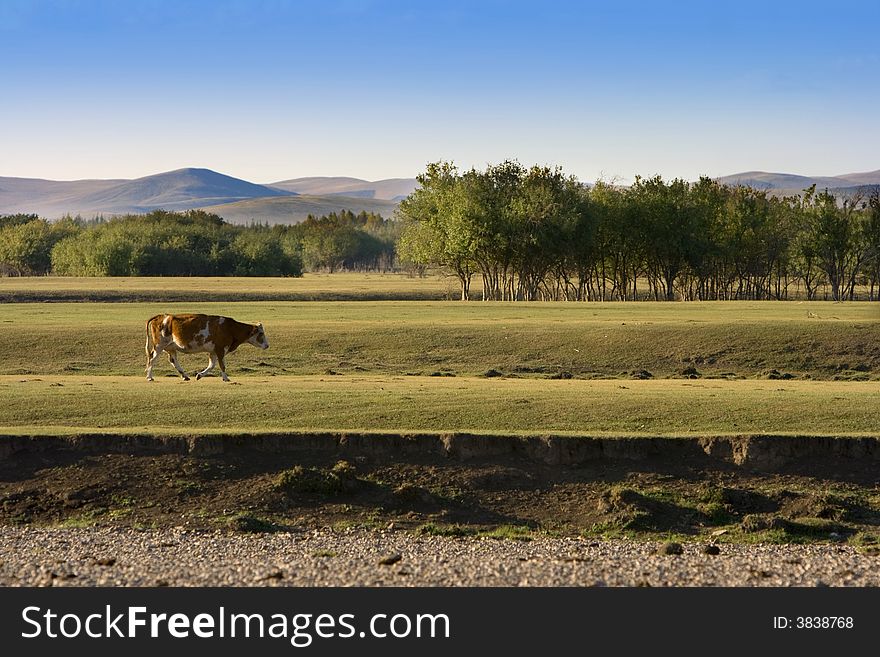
(49, 198)
(235, 199)
(783, 184)
(290, 201)
(294, 209)
(183, 189)
(765, 180)
(392, 189)
(869, 178)
(174, 190)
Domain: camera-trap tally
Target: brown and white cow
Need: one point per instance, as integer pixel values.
(191, 334)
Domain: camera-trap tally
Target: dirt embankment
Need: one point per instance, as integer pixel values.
(739, 488)
(757, 452)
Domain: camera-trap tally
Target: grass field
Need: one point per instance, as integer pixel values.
(318, 287)
(63, 404)
(442, 366)
(597, 340)
(344, 286)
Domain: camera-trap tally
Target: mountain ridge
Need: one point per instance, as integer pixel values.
(194, 188)
(789, 181)
(386, 189)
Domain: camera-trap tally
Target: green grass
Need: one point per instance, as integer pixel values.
(595, 340)
(341, 286)
(74, 403)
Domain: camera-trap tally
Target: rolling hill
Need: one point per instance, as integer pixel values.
(48, 198)
(787, 184)
(177, 190)
(294, 209)
(239, 201)
(291, 201)
(182, 189)
(392, 189)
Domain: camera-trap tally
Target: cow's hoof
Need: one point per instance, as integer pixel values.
(186, 378)
(149, 378)
(198, 376)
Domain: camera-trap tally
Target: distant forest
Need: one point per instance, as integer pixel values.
(193, 243)
(525, 234)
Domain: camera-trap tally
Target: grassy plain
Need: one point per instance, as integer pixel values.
(590, 340)
(73, 403)
(317, 287)
(447, 366)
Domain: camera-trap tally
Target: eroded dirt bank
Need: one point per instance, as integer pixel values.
(743, 489)
(754, 451)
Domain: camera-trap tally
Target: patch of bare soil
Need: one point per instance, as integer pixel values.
(260, 491)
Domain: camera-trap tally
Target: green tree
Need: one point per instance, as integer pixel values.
(436, 226)
(872, 243)
(26, 248)
(839, 241)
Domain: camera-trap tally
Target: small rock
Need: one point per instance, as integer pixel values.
(489, 374)
(390, 559)
(711, 549)
(109, 561)
(670, 547)
(275, 574)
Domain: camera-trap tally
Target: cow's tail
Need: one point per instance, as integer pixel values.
(149, 346)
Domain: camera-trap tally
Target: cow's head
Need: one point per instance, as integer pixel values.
(258, 336)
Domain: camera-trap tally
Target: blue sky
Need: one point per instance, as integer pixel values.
(269, 90)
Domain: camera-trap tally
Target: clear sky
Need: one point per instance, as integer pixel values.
(268, 90)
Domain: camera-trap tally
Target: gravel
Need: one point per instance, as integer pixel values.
(357, 557)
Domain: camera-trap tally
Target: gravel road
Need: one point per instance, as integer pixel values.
(177, 557)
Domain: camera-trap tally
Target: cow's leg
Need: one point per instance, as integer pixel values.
(212, 363)
(152, 359)
(222, 364)
(172, 356)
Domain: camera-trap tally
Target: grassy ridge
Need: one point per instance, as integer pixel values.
(732, 339)
(72, 403)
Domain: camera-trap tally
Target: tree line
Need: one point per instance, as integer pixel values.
(192, 243)
(539, 234)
